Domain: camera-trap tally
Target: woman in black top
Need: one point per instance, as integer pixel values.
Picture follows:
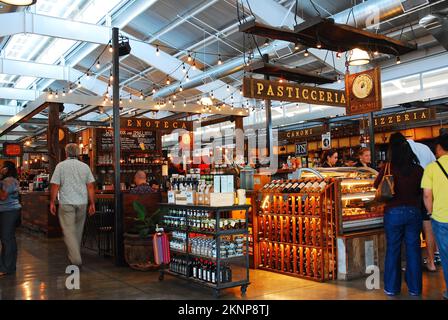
(402, 218)
(330, 158)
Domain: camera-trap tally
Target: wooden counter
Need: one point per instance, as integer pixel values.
(36, 214)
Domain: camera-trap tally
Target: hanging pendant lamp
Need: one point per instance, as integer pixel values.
(19, 2)
(358, 57)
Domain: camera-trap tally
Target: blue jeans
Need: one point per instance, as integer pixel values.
(440, 230)
(8, 224)
(403, 223)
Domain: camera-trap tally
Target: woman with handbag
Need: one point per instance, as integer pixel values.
(398, 185)
(9, 217)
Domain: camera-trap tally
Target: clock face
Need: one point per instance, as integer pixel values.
(362, 86)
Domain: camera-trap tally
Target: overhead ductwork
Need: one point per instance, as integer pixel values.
(437, 25)
(367, 14)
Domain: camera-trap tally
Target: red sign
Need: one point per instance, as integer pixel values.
(12, 149)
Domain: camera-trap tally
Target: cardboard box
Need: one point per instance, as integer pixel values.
(222, 199)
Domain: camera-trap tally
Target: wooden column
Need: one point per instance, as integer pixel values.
(56, 136)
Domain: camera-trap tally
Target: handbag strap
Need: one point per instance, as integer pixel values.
(440, 165)
(387, 169)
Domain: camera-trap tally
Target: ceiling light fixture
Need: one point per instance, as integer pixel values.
(19, 2)
(358, 57)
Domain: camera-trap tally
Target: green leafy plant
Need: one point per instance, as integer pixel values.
(144, 224)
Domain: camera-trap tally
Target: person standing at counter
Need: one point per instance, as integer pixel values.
(402, 218)
(330, 159)
(435, 190)
(141, 186)
(425, 156)
(74, 182)
(9, 218)
(364, 158)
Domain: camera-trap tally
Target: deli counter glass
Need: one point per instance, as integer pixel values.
(355, 196)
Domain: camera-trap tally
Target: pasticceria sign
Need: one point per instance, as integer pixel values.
(153, 124)
(274, 90)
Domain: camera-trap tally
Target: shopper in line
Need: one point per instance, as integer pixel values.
(75, 183)
(402, 218)
(364, 158)
(425, 157)
(435, 189)
(9, 217)
(330, 159)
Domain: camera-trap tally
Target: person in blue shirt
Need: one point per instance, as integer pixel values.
(9, 217)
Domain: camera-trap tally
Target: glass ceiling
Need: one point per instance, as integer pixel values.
(42, 49)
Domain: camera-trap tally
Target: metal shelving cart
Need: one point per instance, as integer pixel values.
(243, 279)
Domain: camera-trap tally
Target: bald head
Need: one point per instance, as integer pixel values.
(140, 178)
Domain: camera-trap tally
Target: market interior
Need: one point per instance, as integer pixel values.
(234, 144)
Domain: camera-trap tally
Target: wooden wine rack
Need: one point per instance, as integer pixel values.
(296, 233)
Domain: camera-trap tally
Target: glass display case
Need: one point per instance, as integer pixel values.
(357, 208)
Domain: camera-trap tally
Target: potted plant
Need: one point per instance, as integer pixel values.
(138, 247)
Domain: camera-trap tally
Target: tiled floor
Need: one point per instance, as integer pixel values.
(41, 275)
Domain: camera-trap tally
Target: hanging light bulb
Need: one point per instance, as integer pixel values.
(219, 60)
(211, 94)
(79, 83)
(56, 95)
(228, 88)
(50, 94)
(168, 80)
(358, 57)
(105, 98)
(232, 107)
(141, 95)
(70, 90)
(174, 96)
(194, 65)
(339, 79)
(185, 103)
(111, 49)
(338, 54)
(306, 54)
(169, 101)
(184, 69)
(111, 77)
(198, 101)
(281, 80)
(296, 46)
(376, 52)
(241, 92)
(231, 97)
(153, 90)
(398, 60)
(130, 99)
(121, 101)
(187, 78)
(181, 88)
(63, 93)
(88, 75)
(98, 65)
(189, 57)
(157, 51)
(319, 45)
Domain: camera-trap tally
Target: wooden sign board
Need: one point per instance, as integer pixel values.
(363, 91)
(274, 90)
(154, 124)
(12, 149)
(301, 134)
(403, 118)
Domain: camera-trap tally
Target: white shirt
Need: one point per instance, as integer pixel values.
(72, 176)
(423, 153)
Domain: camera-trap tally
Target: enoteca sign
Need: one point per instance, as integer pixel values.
(154, 124)
(274, 90)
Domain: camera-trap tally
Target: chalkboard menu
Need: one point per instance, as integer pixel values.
(131, 140)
